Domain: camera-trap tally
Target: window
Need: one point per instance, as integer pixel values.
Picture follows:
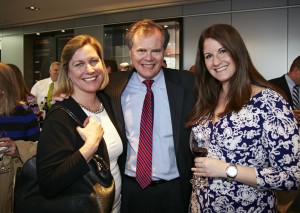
(115, 47)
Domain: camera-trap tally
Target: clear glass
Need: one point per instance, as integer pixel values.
(3, 168)
(199, 146)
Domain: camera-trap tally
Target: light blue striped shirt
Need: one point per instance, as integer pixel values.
(163, 155)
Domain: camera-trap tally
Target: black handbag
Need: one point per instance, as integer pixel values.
(93, 193)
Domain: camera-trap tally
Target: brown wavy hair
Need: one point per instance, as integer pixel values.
(24, 91)
(208, 88)
(9, 90)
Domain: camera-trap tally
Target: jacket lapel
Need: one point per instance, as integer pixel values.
(115, 89)
(108, 108)
(176, 96)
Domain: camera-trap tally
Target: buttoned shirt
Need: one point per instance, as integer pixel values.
(163, 155)
(40, 89)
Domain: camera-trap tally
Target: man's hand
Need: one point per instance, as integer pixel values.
(61, 97)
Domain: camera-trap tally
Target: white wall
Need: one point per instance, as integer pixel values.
(193, 26)
(13, 50)
(272, 35)
(265, 35)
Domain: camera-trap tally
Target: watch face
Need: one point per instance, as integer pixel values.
(231, 171)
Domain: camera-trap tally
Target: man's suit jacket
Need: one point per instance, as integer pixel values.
(180, 89)
(283, 85)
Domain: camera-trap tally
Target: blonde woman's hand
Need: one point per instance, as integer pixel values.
(91, 133)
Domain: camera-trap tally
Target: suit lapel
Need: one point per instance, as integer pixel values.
(176, 96)
(286, 89)
(108, 108)
(116, 87)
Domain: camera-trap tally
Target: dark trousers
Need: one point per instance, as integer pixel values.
(163, 197)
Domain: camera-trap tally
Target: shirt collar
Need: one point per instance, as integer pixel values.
(290, 82)
(157, 79)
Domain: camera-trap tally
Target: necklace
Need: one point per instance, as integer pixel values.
(94, 111)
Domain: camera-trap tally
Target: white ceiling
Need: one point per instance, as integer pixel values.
(13, 12)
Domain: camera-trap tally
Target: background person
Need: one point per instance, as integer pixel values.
(41, 88)
(124, 66)
(111, 65)
(192, 68)
(63, 153)
(287, 82)
(18, 126)
(164, 64)
(25, 96)
(173, 91)
(254, 139)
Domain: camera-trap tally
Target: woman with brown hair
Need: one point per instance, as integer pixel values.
(25, 96)
(18, 127)
(253, 136)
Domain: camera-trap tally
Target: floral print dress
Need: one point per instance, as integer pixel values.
(264, 135)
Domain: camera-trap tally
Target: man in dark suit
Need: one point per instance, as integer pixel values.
(286, 83)
(173, 91)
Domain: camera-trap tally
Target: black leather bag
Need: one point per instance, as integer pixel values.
(94, 192)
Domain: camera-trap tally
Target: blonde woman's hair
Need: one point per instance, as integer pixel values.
(64, 84)
(9, 90)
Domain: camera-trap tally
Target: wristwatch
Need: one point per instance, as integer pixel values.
(231, 172)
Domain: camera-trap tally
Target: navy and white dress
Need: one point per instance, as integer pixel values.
(264, 135)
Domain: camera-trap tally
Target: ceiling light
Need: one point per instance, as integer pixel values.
(37, 33)
(32, 8)
(63, 31)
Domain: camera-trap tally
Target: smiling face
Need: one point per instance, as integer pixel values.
(218, 61)
(147, 54)
(86, 70)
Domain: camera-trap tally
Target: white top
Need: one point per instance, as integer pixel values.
(40, 89)
(115, 149)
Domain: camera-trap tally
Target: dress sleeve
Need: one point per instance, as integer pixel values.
(281, 139)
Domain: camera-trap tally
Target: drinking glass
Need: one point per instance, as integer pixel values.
(3, 168)
(199, 146)
(2, 135)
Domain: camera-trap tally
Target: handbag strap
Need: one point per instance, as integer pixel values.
(99, 161)
(71, 114)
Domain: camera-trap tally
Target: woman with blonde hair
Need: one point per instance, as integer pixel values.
(65, 149)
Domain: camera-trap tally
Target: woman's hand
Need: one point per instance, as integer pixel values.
(209, 167)
(91, 133)
(11, 148)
